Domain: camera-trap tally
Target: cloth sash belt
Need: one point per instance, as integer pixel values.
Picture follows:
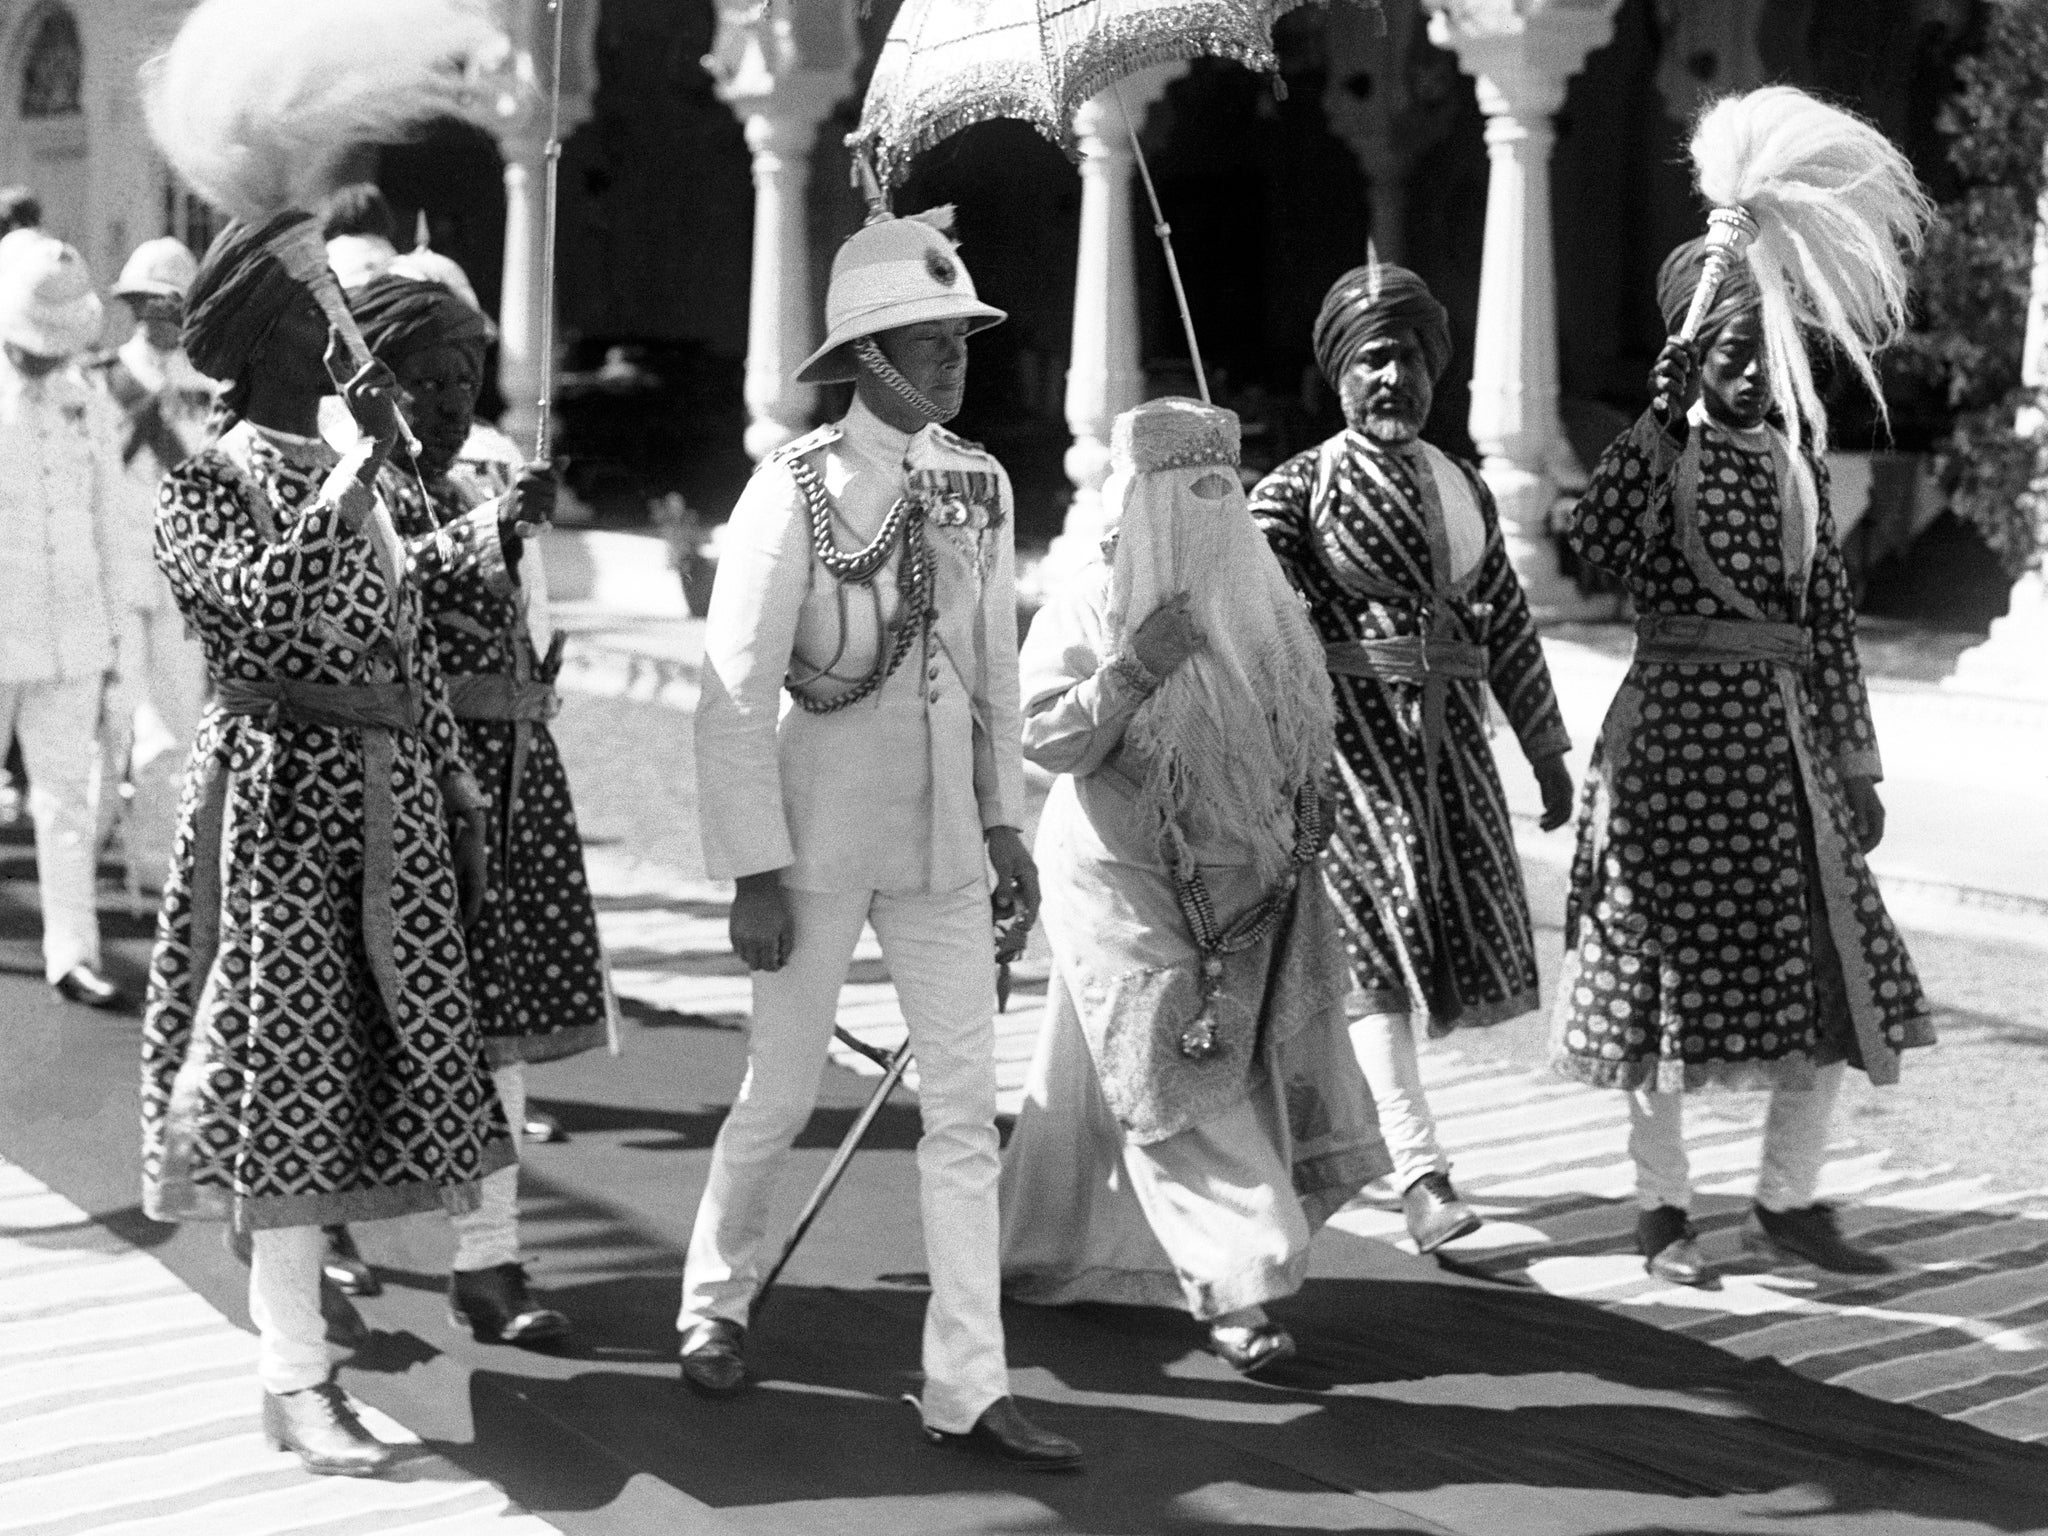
(523, 701)
(1687, 640)
(379, 711)
(1406, 659)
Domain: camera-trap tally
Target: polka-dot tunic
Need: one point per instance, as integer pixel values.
(537, 971)
(1435, 918)
(1723, 927)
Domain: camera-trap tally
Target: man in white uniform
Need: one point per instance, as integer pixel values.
(68, 587)
(869, 569)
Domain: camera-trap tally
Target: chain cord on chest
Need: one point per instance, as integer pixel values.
(904, 525)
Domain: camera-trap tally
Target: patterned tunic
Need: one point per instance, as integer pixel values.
(1723, 926)
(1422, 862)
(537, 972)
(280, 1087)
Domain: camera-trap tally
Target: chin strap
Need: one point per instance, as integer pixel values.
(872, 359)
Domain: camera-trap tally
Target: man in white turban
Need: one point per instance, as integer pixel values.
(1194, 1110)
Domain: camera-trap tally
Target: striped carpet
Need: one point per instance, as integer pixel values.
(1961, 1329)
(131, 1408)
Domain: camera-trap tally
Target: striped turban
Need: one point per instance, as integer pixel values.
(1378, 300)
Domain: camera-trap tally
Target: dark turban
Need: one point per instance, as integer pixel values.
(1679, 278)
(1369, 302)
(240, 291)
(402, 315)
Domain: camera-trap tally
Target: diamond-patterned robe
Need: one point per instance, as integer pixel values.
(537, 971)
(1713, 830)
(1436, 919)
(278, 1090)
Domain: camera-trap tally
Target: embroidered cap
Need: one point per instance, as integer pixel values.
(1173, 433)
(47, 305)
(892, 273)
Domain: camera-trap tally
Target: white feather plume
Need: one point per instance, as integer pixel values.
(256, 103)
(1839, 218)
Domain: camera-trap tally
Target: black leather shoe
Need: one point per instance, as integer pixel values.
(496, 1307)
(1435, 1213)
(1003, 1432)
(1812, 1234)
(543, 1127)
(321, 1426)
(1248, 1351)
(345, 1266)
(87, 987)
(1670, 1248)
(714, 1358)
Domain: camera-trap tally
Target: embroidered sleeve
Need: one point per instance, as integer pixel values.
(1619, 517)
(1840, 702)
(459, 566)
(998, 756)
(211, 549)
(1280, 506)
(1516, 668)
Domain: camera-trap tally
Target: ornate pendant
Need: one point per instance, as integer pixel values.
(1198, 1041)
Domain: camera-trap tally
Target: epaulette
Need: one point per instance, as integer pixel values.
(810, 442)
(961, 445)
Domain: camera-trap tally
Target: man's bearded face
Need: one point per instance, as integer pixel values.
(1387, 391)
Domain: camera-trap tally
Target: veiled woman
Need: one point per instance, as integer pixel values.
(309, 1054)
(1194, 1110)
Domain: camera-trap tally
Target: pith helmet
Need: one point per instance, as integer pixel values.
(157, 269)
(894, 272)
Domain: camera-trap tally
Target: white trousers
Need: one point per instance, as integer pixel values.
(57, 725)
(1385, 1043)
(1795, 1145)
(284, 1304)
(151, 737)
(489, 1235)
(939, 954)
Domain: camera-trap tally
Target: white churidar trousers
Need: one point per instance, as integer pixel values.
(489, 1235)
(1385, 1043)
(1795, 1144)
(939, 955)
(58, 727)
(284, 1304)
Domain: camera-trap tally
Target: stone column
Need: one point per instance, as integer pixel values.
(523, 372)
(782, 74)
(1367, 106)
(1105, 370)
(1520, 54)
(2014, 660)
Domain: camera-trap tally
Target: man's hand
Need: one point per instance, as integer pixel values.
(530, 504)
(1866, 810)
(1168, 637)
(1016, 875)
(1555, 780)
(371, 396)
(1675, 380)
(472, 868)
(763, 932)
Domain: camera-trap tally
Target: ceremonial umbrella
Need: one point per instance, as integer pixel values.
(948, 64)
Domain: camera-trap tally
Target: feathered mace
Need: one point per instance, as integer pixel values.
(1827, 214)
(257, 104)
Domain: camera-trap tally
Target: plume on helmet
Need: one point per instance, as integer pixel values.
(256, 104)
(1839, 215)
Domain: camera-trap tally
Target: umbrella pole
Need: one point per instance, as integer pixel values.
(551, 197)
(896, 1066)
(1165, 233)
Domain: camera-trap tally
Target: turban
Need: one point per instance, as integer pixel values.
(1369, 302)
(402, 315)
(1679, 278)
(238, 294)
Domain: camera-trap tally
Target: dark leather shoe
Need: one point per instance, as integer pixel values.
(1670, 1248)
(496, 1307)
(714, 1358)
(87, 987)
(1003, 1432)
(345, 1266)
(1435, 1213)
(321, 1426)
(543, 1127)
(1250, 1351)
(346, 1330)
(1812, 1234)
